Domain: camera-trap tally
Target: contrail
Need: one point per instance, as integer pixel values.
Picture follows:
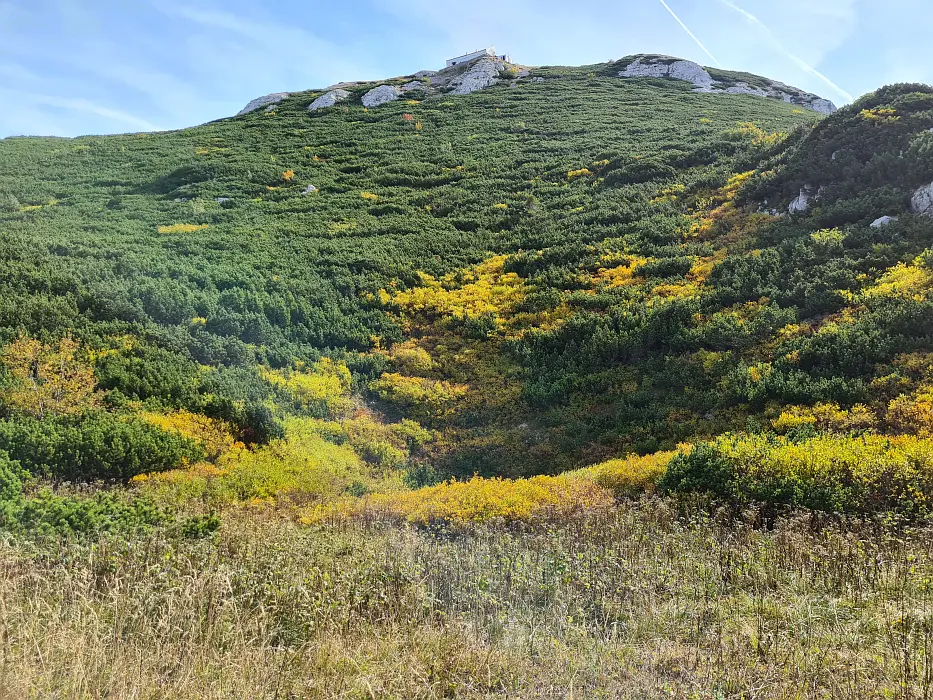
(780, 47)
(692, 35)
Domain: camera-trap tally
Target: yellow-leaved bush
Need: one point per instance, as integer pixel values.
(306, 466)
(475, 501)
(857, 474)
(632, 475)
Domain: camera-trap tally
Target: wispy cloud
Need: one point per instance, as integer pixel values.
(752, 19)
(77, 104)
(271, 40)
(692, 35)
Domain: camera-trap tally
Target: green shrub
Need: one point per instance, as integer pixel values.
(96, 446)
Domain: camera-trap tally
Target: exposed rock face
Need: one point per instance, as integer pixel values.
(678, 69)
(272, 99)
(667, 67)
(381, 95)
(801, 203)
(328, 100)
(922, 201)
(780, 91)
(413, 86)
(883, 221)
(482, 74)
(425, 74)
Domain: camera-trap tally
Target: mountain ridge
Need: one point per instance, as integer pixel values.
(493, 68)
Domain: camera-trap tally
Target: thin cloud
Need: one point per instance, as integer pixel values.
(269, 38)
(752, 19)
(80, 104)
(692, 35)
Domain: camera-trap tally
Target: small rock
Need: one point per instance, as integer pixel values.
(922, 201)
(883, 221)
(221, 200)
(272, 99)
(309, 189)
(801, 204)
(381, 95)
(537, 79)
(328, 100)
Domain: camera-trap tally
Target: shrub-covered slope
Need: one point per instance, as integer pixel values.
(529, 279)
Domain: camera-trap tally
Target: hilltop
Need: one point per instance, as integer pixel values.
(471, 382)
(484, 72)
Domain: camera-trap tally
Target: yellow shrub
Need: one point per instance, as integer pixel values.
(880, 115)
(417, 392)
(582, 172)
(369, 195)
(903, 281)
(829, 472)
(826, 416)
(215, 435)
(324, 390)
(303, 467)
(912, 413)
(182, 228)
(631, 475)
(477, 501)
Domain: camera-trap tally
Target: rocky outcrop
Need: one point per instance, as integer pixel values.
(328, 100)
(667, 67)
(678, 69)
(786, 93)
(414, 86)
(883, 221)
(381, 95)
(801, 204)
(922, 201)
(482, 74)
(264, 101)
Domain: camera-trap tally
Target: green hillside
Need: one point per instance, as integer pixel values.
(500, 334)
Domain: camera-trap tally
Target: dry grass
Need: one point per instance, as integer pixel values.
(632, 602)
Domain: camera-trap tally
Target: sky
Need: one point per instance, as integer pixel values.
(73, 67)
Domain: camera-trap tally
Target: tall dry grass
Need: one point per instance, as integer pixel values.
(639, 601)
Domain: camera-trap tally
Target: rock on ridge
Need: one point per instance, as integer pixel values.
(328, 100)
(482, 74)
(381, 95)
(679, 69)
(263, 101)
(668, 67)
(922, 201)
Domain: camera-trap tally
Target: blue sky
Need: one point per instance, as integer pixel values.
(71, 67)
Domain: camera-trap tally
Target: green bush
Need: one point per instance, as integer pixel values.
(96, 446)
